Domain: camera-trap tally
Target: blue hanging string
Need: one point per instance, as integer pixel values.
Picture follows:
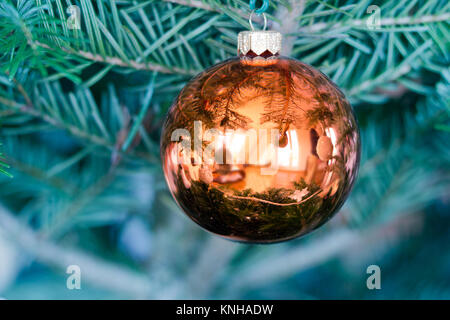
(261, 10)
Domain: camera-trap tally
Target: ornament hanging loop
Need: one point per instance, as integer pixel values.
(250, 21)
(261, 10)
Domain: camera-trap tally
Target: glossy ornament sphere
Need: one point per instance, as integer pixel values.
(260, 149)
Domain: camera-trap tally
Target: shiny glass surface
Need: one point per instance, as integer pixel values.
(260, 150)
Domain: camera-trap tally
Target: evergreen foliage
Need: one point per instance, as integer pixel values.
(81, 112)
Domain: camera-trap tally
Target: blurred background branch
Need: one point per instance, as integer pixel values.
(88, 187)
(95, 270)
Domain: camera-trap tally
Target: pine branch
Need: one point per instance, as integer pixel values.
(72, 129)
(23, 108)
(215, 8)
(288, 22)
(204, 274)
(43, 178)
(309, 255)
(404, 160)
(390, 74)
(94, 270)
(384, 22)
(194, 3)
(4, 166)
(86, 196)
(116, 61)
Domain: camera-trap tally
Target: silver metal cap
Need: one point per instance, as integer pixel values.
(259, 42)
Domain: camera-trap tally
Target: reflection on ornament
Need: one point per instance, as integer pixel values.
(324, 148)
(278, 147)
(205, 174)
(298, 195)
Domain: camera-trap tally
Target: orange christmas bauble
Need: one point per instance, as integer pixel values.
(260, 148)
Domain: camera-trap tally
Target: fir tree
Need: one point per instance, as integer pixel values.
(81, 111)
